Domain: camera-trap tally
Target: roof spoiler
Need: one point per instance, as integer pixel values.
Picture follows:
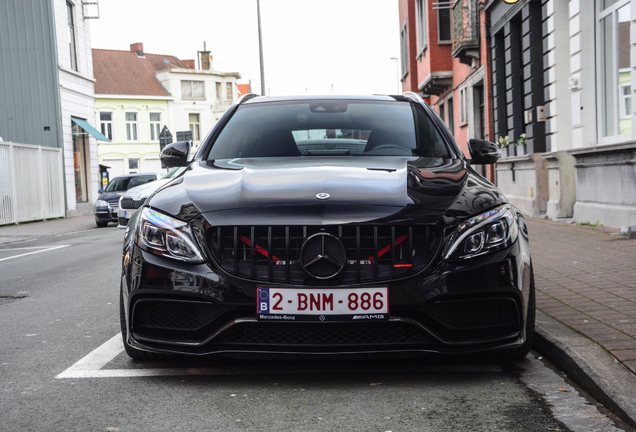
(413, 97)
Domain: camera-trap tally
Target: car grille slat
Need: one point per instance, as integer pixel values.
(236, 257)
(373, 252)
(358, 254)
(410, 267)
(287, 266)
(252, 248)
(129, 203)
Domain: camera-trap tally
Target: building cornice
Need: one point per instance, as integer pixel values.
(200, 72)
(77, 74)
(136, 97)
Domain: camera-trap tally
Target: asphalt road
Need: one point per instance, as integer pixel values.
(62, 368)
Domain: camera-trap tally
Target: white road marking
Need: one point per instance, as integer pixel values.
(95, 360)
(31, 253)
(24, 248)
(91, 367)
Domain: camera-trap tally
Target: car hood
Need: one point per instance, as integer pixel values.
(145, 190)
(110, 196)
(286, 190)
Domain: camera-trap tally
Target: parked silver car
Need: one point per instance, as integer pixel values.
(135, 197)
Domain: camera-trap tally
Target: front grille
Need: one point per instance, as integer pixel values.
(173, 315)
(131, 204)
(324, 334)
(373, 252)
(113, 207)
(474, 314)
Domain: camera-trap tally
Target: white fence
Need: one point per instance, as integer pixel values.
(31, 183)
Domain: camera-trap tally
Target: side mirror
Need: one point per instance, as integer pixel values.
(483, 152)
(100, 191)
(175, 154)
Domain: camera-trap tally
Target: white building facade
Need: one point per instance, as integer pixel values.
(590, 62)
(77, 99)
(200, 98)
(153, 91)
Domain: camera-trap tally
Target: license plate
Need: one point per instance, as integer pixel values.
(322, 304)
(127, 215)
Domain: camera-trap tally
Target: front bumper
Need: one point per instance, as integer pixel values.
(475, 305)
(104, 214)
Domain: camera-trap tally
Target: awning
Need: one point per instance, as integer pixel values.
(90, 129)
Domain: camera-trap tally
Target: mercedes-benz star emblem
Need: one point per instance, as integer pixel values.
(322, 255)
(323, 196)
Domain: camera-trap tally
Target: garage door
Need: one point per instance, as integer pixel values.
(116, 167)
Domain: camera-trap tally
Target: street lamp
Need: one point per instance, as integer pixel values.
(260, 47)
(397, 73)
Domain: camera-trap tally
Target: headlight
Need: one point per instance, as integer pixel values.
(163, 235)
(101, 203)
(488, 232)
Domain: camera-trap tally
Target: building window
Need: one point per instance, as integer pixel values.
(451, 115)
(230, 92)
(133, 166)
(421, 25)
(106, 124)
(462, 106)
(218, 91)
(155, 126)
(614, 68)
(444, 31)
(192, 90)
(626, 100)
(131, 126)
(442, 114)
(404, 51)
(71, 36)
(195, 127)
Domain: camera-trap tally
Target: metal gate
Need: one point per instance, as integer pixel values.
(31, 183)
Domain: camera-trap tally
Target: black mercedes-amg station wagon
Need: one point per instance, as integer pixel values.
(327, 225)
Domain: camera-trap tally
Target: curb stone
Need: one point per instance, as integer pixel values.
(589, 365)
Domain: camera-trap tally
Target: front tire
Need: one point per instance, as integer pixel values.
(101, 224)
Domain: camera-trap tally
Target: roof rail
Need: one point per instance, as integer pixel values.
(247, 96)
(413, 96)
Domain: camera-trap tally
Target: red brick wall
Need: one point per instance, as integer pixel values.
(407, 14)
(438, 58)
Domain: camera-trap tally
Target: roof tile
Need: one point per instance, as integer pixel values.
(124, 73)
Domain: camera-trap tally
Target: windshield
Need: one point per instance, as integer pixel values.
(174, 172)
(329, 128)
(122, 184)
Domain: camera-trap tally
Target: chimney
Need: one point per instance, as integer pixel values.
(189, 63)
(206, 58)
(137, 48)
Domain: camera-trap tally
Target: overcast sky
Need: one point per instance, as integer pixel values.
(308, 45)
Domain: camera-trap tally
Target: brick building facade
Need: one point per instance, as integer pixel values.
(445, 58)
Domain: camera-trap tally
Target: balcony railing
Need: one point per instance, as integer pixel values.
(466, 30)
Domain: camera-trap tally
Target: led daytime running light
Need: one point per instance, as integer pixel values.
(166, 236)
(484, 223)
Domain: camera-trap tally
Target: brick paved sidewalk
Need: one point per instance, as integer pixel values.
(586, 279)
